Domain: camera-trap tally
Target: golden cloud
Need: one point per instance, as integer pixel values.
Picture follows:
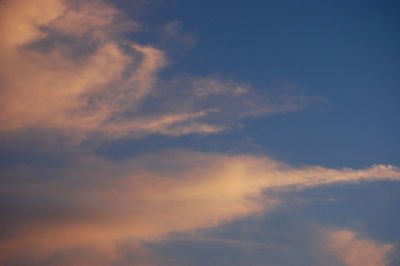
(66, 65)
(148, 197)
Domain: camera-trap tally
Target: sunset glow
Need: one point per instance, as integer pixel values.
(203, 133)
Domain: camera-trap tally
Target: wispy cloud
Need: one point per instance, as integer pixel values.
(355, 250)
(149, 197)
(66, 66)
(172, 32)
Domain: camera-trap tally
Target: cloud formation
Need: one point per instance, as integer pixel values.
(148, 197)
(66, 65)
(355, 250)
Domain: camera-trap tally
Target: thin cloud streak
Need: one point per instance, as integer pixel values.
(105, 202)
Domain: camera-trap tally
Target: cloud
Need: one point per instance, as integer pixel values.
(172, 31)
(92, 202)
(354, 250)
(67, 66)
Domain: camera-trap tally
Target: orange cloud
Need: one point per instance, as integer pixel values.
(151, 196)
(56, 88)
(20, 21)
(355, 251)
(65, 65)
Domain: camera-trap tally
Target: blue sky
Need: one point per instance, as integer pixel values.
(199, 132)
(344, 52)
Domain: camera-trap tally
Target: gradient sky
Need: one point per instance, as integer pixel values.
(154, 132)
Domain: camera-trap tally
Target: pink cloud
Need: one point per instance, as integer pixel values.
(67, 66)
(137, 199)
(354, 250)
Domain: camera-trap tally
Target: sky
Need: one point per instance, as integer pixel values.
(154, 132)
